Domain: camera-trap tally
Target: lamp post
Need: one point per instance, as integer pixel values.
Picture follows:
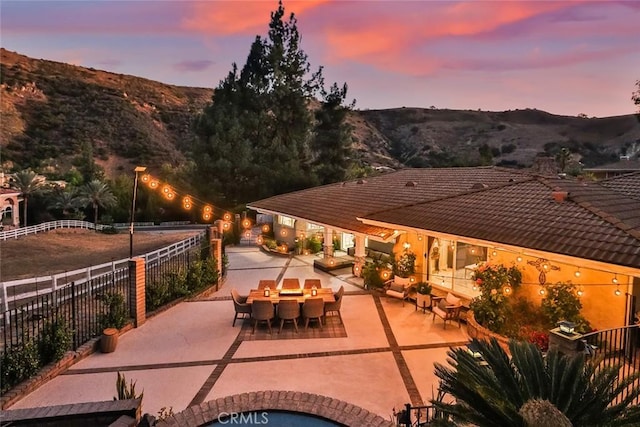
(137, 170)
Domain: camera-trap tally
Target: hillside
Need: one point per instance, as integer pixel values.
(53, 114)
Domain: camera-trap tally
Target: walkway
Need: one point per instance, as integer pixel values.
(191, 354)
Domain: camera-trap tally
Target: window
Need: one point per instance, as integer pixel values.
(313, 227)
(451, 264)
(286, 221)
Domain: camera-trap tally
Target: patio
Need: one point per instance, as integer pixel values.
(191, 354)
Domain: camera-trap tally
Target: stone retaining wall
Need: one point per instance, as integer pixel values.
(479, 332)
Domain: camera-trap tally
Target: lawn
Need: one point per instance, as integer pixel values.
(70, 249)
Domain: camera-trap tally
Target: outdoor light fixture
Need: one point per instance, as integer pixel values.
(494, 253)
(226, 216)
(154, 183)
(519, 258)
(617, 292)
(137, 170)
(577, 273)
(225, 226)
(580, 292)
(567, 327)
(420, 237)
(283, 232)
(412, 279)
(542, 291)
(332, 261)
(267, 291)
(246, 223)
(265, 228)
(615, 279)
(259, 240)
(507, 290)
(247, 234)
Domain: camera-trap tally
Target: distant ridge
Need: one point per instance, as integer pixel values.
(53, 113)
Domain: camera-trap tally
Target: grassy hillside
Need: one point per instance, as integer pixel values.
(54, 114)
(56, 110)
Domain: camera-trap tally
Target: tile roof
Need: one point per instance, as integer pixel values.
(341, 204)
(600, 220)
(620, 165)
(594, 223)
(9, 191)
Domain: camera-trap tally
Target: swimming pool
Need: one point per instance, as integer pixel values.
(272, 418)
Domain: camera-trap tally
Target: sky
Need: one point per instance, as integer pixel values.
(567, 58)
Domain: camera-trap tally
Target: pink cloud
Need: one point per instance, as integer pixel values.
(233, 17)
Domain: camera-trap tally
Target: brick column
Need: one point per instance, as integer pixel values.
(137, 280)
(215, 244)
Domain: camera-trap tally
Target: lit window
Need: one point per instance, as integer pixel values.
(286, 221)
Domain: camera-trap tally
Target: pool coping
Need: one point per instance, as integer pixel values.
(326, 407)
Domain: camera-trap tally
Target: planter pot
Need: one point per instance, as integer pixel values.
(423, 301)
(109, 340)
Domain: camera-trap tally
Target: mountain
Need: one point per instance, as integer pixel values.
(55, 114)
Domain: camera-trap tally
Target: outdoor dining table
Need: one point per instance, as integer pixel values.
(299, 295)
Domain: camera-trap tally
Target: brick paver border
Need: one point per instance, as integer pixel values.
(276, 400)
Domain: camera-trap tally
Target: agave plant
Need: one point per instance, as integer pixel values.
(513, 391)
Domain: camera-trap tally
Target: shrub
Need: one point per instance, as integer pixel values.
(115, 315)
(372, 272)
(561, 302)
(19, 362)
(126, 391)
(109, 230)
(156, 295)
(491, 308)
(55, 340)
(313, 244)
(405, 264)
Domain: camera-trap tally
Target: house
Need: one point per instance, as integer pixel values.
(623, 166)
(554, 229)
(9, 207)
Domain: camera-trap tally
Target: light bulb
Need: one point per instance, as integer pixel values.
(577, 273)
(617, 292)
(580, 292)
(519, 259)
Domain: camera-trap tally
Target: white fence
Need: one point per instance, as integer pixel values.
(46, 226)
(33, 286)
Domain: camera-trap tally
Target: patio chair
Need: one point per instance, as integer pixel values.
(267, 283)
(288, 309)
(310, 283)
(447, 308)
(240, 305)
(291, 283)
(261, 311)
(397, 290)
(313, 308)
(334, 307)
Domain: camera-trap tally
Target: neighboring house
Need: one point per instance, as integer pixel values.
(9, 207)
(553, 229)
(623, 166)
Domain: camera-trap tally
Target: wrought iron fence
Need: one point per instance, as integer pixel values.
(619, 348)
(78, 305)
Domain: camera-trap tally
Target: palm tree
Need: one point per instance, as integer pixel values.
(69, 200)
(511, 391)
(98, 194)
(28, 183)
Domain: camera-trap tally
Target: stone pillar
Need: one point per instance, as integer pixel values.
(359, 255)
(328, 243)
(137, 281)
(571, 345)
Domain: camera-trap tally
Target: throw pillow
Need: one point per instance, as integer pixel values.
(397, 288)
(452, 300)
(442, 304)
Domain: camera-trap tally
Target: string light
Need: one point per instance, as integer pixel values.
(542, 291)
(259, 240)
(580, 292)
(494, 253)
(577, 273)
(246, 223)
(145, 178)
(507, 290)
(226, 216)
(617, 292)
(265, 228)
(615, 279)
(519, 258)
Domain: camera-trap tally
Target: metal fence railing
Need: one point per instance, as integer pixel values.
(78, 305)
(46, 226)
(619, 347)
(13, 292)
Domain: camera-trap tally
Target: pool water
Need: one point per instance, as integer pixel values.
(273, 419)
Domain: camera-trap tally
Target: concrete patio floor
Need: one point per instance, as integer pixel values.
(191, 354)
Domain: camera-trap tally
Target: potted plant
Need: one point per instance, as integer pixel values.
(404, 266)
(112, 320)
(423, 295)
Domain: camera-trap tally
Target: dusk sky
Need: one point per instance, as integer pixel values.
(562, 57)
